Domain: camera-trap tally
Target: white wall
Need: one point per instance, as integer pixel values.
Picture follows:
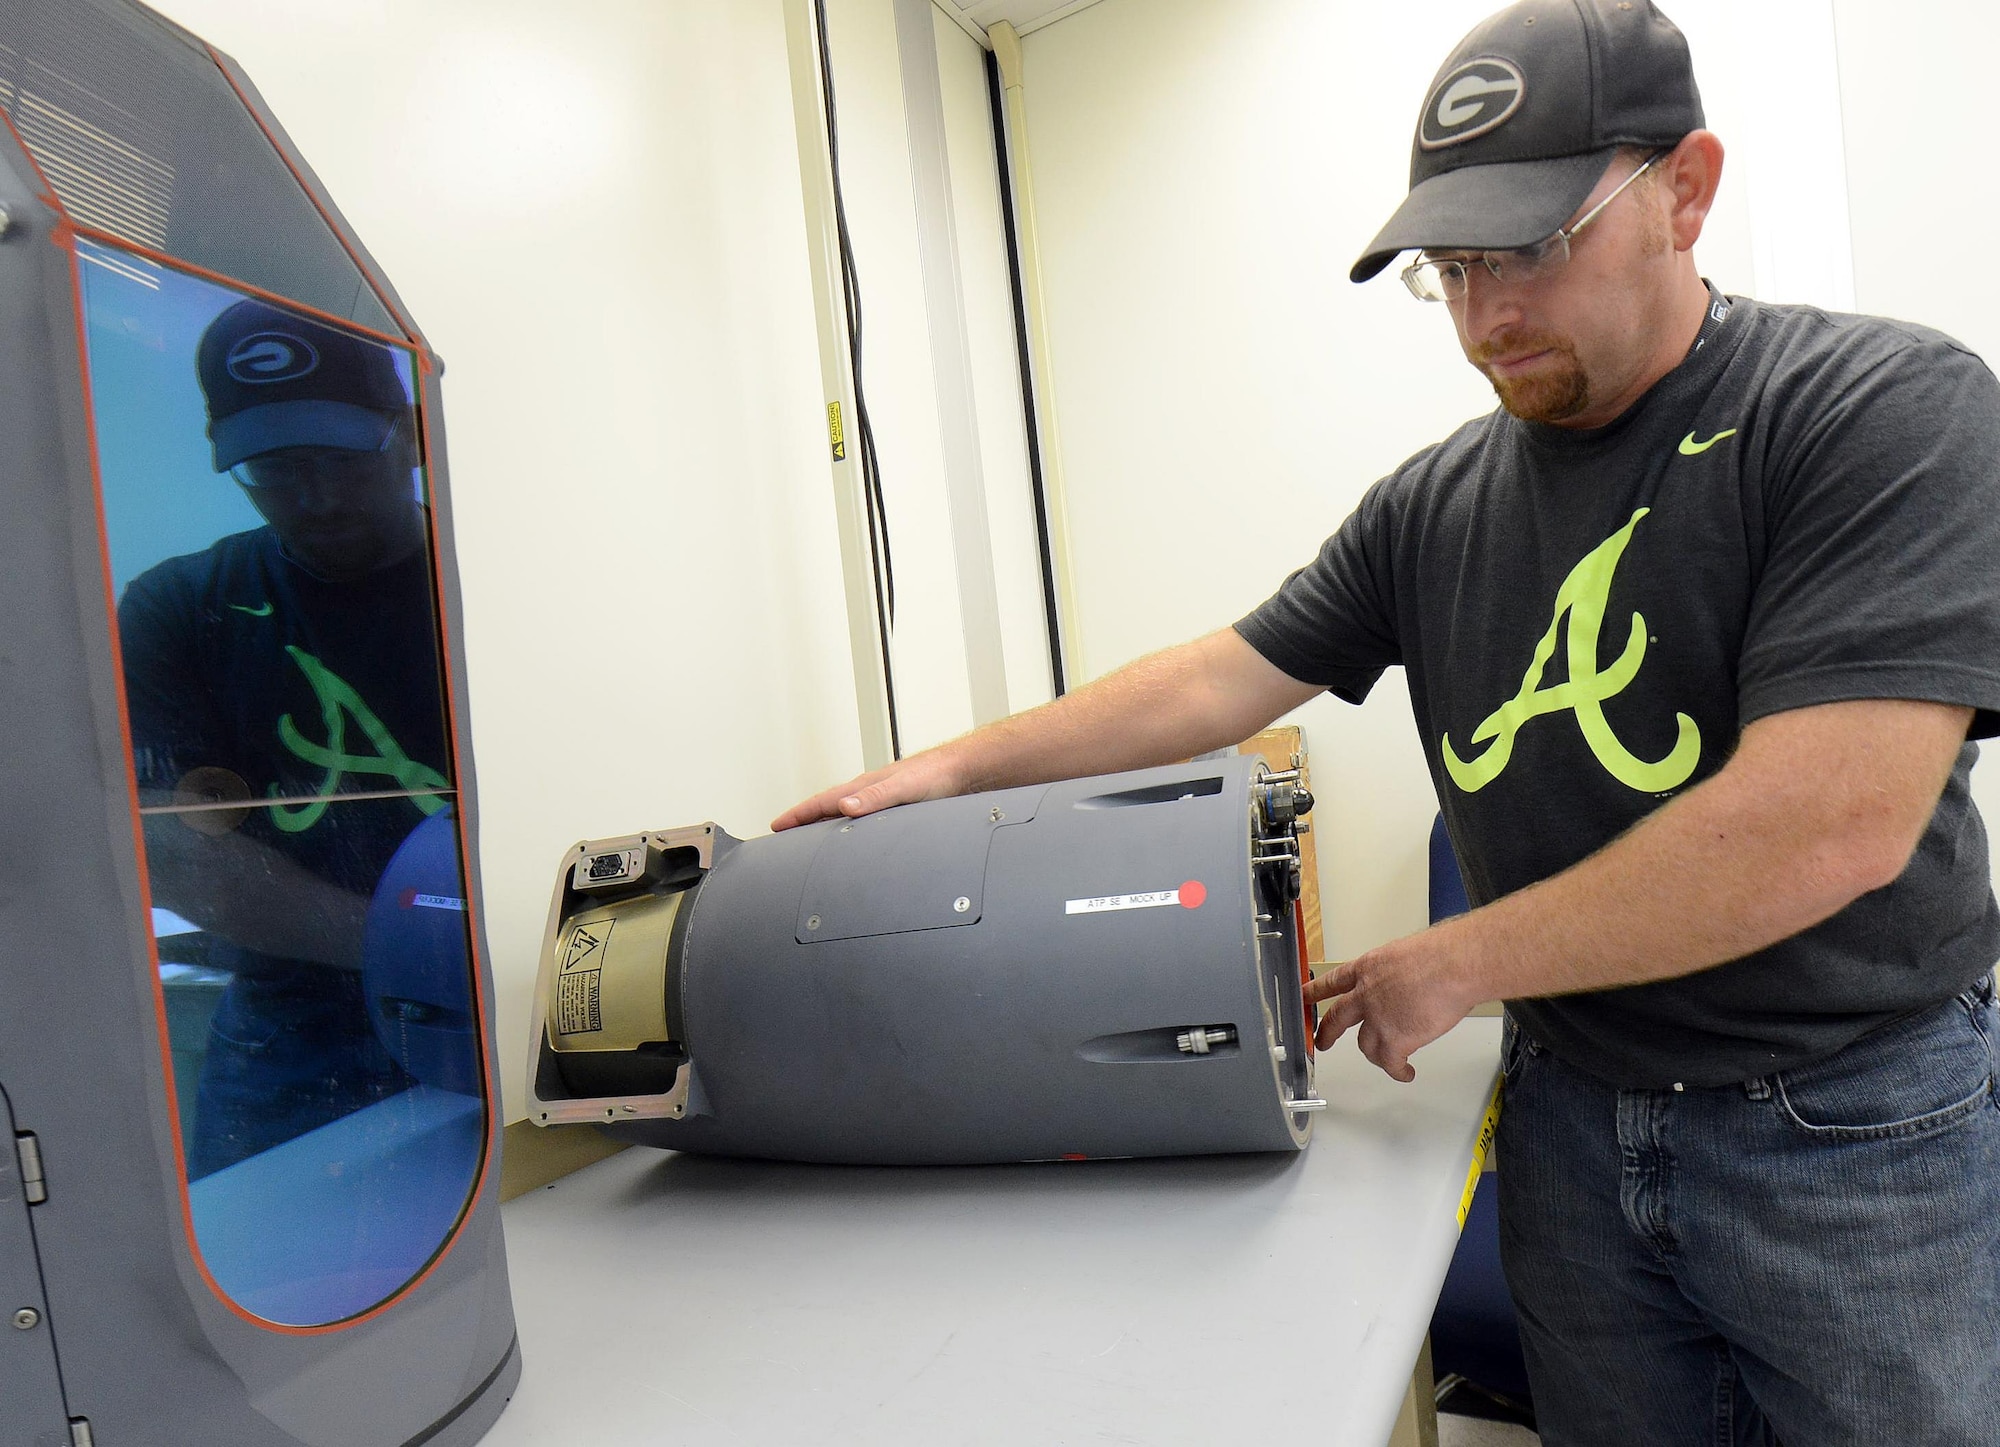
(1206, 171)
(1915, 95)
(996, 362)
(1915, 84)
(932, 699)
(593, 210)
(928, 641)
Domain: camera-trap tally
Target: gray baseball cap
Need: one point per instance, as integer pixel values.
(275, 378)
(1525, 115)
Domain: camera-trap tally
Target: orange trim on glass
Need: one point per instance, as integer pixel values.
(469, 879)
(469, 876)
(65, 235)
(160, 258)
(402, 318)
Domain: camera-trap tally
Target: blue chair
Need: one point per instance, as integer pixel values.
(1475, 1336)
(1447, 884)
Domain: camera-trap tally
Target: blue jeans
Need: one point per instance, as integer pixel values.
(1811, 1259)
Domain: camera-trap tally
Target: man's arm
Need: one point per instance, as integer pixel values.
(1816, 807)
(1167, 706)
(253, 896)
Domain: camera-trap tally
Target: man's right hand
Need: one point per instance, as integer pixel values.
(1169, 705)
(921, 776)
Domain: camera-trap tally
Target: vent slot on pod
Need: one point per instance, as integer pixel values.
(1170, 793)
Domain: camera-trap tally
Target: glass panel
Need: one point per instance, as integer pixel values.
(266, 517)
(337, 1118)
(306, 584)
(141, 135)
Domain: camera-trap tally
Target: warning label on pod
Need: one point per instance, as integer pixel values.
(579, 982)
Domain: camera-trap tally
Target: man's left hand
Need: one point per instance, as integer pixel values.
(1403, 995)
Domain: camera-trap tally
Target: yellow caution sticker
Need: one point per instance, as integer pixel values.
(1487, 1126)
(834, 432)
(580, 982)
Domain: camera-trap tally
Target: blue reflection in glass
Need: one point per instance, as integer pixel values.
(263, 505)
(144, 324)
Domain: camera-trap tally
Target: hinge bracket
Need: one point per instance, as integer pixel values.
(29, 1149)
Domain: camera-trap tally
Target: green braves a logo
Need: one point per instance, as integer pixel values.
(1585, 595)
(338, 702)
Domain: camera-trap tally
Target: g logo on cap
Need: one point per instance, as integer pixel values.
(1475, 98)
(271, 357)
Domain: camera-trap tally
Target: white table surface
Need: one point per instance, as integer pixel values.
(673, 1299)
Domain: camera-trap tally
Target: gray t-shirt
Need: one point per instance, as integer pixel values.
(1806, 510)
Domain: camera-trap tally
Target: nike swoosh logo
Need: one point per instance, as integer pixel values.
(1692, 448)
(265, 611)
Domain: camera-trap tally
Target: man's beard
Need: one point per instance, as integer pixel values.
(1556, 390)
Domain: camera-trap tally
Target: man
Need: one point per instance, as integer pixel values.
(291, 665)
(1696, 628)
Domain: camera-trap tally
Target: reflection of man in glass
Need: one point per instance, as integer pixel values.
(293, 664)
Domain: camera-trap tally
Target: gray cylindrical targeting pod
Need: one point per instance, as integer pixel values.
(1103, 967)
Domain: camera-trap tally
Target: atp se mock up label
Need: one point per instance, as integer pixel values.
(1190, 895)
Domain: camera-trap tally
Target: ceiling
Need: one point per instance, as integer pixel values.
(1024, 15)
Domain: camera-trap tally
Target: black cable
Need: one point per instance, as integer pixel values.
(871, 473)
(996, 95)
(871, 465)
(880, 559)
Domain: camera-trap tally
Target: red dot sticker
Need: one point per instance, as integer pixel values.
(1193, 893)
